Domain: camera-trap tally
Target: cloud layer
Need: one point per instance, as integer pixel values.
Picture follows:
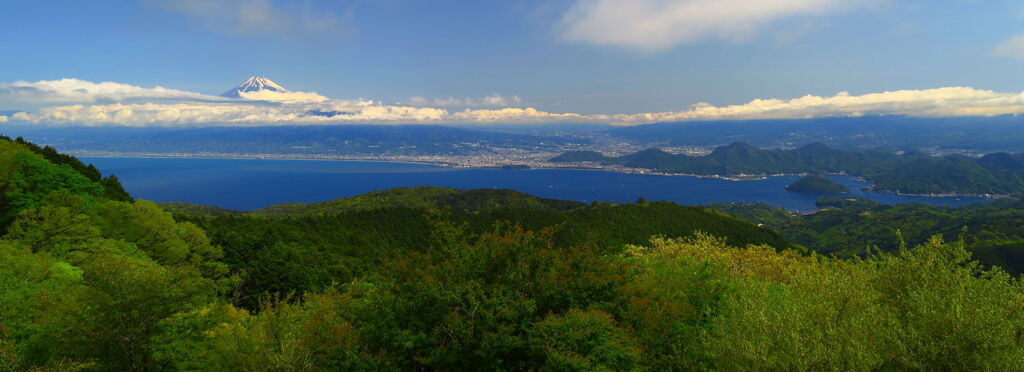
(661, 24)
(941, 102)
(283, 97)
(493, 100)
(84, 103)
(81, 91)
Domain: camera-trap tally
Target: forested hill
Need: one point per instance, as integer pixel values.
(29, 174)
(350, 234)
(90, 283)
(424, 197)
(911, 172)
(815, 184)
(741, 158)
(112, 188)
(849, 227)
(605, 224)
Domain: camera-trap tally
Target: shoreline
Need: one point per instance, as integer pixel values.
(941, 195)
(535, 166)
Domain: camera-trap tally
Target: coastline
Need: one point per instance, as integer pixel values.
(533, 164)
(940, 195)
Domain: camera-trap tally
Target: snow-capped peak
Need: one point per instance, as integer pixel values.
(254, 84)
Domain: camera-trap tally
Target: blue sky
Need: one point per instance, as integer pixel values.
(578, 56)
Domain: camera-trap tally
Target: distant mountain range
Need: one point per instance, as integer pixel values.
(910, 173)
(889, 133)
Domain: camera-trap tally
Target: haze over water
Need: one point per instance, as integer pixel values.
(247, 184)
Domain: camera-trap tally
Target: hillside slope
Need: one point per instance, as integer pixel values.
(470, 281)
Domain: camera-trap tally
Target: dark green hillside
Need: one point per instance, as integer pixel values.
(815, 184)
(954, 174)
(756, 212)
(741, 158)
(851, 227)
(476, 280)
(112, 188)
(424, 197)
(198, 209)
(344, 239)
(655, 159)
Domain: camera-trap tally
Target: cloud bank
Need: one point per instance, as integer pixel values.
(82, 103)
(941, 102)
(284, 97)
(493, 100)
(660, 24)
(81, 91)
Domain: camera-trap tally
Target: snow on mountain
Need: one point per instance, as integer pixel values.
(254, 84)
(263, 89)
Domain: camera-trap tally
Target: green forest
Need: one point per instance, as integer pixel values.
(848, 227)
(440, 279)
(911, 172)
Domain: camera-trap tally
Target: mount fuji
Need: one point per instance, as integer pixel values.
(262, 89)
(253, 85)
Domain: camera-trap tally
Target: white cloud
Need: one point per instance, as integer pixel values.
(660, 24)
(81, 91)
(3, 119)
(283, 97)
(77, 102)
(260, 17)
(1012, 47)
(512, 115)
(493, 100)
(198, 114)
(496, 100)
(941, 102)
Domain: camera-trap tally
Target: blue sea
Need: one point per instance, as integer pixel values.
(247, 184)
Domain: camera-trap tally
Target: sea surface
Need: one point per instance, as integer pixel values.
(247, 184)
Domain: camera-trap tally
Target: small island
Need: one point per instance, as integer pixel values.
(815, 184)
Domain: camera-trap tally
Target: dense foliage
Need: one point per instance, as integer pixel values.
(911, 172)
(848, 227)
(112, 188)
(90, 283)
(424, 197)
(340, 240)
(998, 173)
